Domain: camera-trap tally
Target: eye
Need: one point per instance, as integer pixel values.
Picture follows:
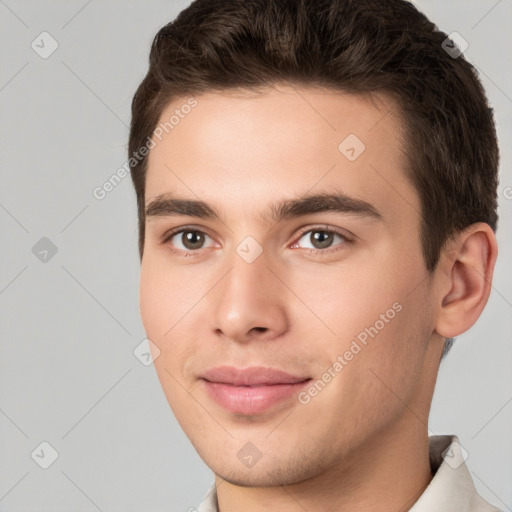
(187, 240)
(321, 239)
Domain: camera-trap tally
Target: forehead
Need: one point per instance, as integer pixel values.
(243, 149)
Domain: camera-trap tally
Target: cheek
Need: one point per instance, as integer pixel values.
(152, 301)
(383, 322)
(164, 297)
(167, 302)
(393, 358)
(348, 300)
(160, 315)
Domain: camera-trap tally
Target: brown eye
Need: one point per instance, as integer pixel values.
(192, 239)
(188, 240)
(321, 239)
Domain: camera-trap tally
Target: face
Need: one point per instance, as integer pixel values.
(332, 291)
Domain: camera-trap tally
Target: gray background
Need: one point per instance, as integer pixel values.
(69, 325)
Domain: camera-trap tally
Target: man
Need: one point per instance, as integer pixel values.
(316, 188)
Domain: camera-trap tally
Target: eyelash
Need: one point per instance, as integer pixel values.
(191, 253)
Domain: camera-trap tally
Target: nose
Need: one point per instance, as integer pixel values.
(250, 301)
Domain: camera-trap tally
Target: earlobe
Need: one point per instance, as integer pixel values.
(468, 275)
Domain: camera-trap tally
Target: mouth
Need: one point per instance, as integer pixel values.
(252, 390)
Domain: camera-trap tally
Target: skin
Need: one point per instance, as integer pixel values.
(362, 442)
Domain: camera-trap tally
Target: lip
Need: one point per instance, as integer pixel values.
(251, 390)
(252, 376)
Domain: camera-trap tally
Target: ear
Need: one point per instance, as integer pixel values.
(466, 268)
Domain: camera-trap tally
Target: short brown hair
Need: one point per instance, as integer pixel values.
(355, 46)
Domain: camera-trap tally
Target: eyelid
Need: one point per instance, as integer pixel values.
(174, 231)
(325, 227)
(347, 236)
(347, 240)
(344, 233)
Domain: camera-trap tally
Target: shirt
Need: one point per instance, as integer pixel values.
(450, 490)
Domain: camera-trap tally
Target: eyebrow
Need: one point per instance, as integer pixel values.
(166, 205)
